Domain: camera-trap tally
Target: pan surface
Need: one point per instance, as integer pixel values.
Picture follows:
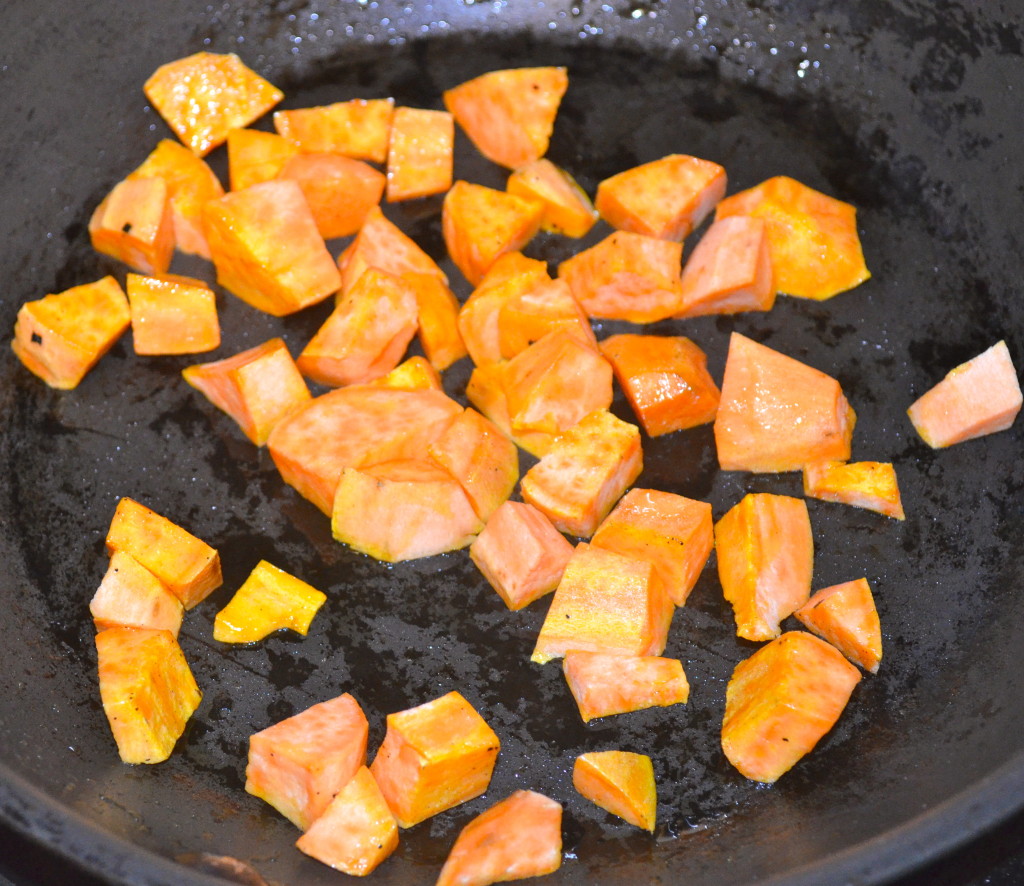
(901, 110)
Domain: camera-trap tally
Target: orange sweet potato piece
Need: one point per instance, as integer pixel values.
(356, 832)
(434, 756)
(584, 472)
(665, 198)
(420, 153)
(665, 379)
(730, 270)
(567, 208)
(340, 190)
(846, 616)
(765, 559)
(187, 565)
(255, 156)
(60, 337)
(628, 277)
(526, 317)
(605, 602)
(815, 249)
(172, 315)
(778, 414)
(781, 701)
(267, 250)
(438, 319)
(269, 600)
(979, 397)
(359, 128)
(486, 391)
(509, 114)
(520, 553)
(863, 484)
(605, 683)
(414, 374)
(131, 596)
(299, 764)
(134, 223)
(620, 782)
(206, 95)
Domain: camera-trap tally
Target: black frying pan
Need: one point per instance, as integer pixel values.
(907, 111)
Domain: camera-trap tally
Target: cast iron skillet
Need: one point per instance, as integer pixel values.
(904, 111)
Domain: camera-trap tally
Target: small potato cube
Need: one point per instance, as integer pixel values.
(414, 374)
(438, 319)
(131, 596)
(340, 191)
(134, 223)
(526, 317)
(846, 616)
(486, 391)
(567, 208)
(172, 315)
(359, 128)
(605, 683)
(620, 782)
(864, 484)
(420, 153)
(269, 600)
(255, 156)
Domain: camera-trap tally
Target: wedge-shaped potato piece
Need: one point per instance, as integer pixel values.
(206, 95)
(605, 683)
(509, 115)
(134, 223)
(816, 252)
(979, 397)
(187, 565)
(605, 602)
(299, 764)
(486, 391)
(255, 156)
(585, 471)
(620, 782)
(665, 379)
(269, 600)
(434, 756)
(131, 596)
(863, 484)
(172, 315)
(519, 837)
(267, 250)
(340, 191)
(356, 832)
(437, 318)
(526, 317)
(359, 128)
(665, 198)
(673, 532)
(421, 153)
(846, 616)
(60, 337)
(414, 374)
(567, 208)
(765, 560)
(778, 414)
(147, 689)
(781, 701)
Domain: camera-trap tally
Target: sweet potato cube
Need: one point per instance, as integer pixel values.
(356, 832)
(187, 565)
(60, 337)
(567, 208)
(172, 315)
(584, 472)
(131, 596)
(730, 270)
(846, 616)
(481, 224)
(816, 252)
(778, 414)
(627, 277)
(147, 689)
(519, 837)
(414, 374)
(255, 156)
(366, 335)
(420, 153)
(863, 484)
(438, 319)
(509, 115)
(520, 553)
(299, 764)
(267, 250)
(402, 510)
(673, 532)
(765, 559)
(620, 782)
(605, 683)
(665, 379)
(134, 224)
(781, 701)
(666, 198)
(340, 191)
(434, 756)
(269, 600)
(528, 316)
(486, 391)
(359, 128)
(979, 397)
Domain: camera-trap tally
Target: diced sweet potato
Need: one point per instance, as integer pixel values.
(299, 764)
(438, 319)
(979, 397)
(414, 374)
(863, 484)
(509, 115)
(526, 317)
(131, 596)
(340, 191)
(620, 782)
(486, 391)
(134, 224)
(765, 560)
(846, 616)
(206, 95)
(60, 337)
(147, 689)
(172, 315)
(359, 128)
(778, 414)
(567, 208)
(434, 756)
(781, 701)
(255, 156)
(187, 565)
(420, 153)
(665, 379)
(605, 684)
(665, 198)
(269, 600)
